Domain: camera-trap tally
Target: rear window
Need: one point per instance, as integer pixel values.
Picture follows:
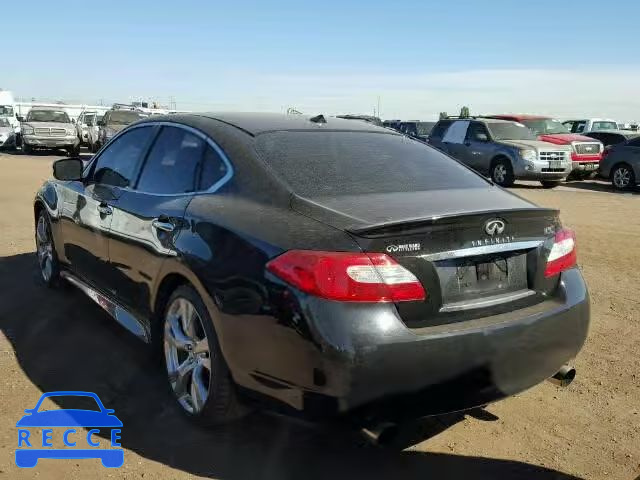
(352, 163)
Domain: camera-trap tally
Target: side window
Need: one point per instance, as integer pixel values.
(172, 163)
(211, 170)
(440, 128)
(569, 125)
(456, 132)
(117, 164)
(477, 132)
(578, 127)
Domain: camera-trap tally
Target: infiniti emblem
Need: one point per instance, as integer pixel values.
(494, 227)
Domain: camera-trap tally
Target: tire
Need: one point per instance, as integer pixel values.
(502, 172)
(74, 151)
(48, 263)
(550, 183)
(207, 395)
(623, 177)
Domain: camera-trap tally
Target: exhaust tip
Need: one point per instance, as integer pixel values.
(564, 377)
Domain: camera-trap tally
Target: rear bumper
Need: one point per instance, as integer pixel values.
(362, 361)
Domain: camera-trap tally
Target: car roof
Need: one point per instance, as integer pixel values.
(61, 108)
(517, 117)
(257, 123)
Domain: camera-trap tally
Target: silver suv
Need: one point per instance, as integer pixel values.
(503, 150)
(49, 128)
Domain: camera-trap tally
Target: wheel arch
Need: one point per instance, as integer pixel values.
(500, 156)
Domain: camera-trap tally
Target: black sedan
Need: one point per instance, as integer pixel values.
(328, 267)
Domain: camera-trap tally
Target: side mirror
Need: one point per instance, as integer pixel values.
(73, 120)
(68, 169)
(20, 118)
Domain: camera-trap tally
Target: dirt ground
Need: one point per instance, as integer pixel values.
(60, 340)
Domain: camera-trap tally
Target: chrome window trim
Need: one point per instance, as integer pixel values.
(212, 189)
(482, 250)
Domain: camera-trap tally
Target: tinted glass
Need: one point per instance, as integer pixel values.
(347, 163)
(440, 128)
(424, 128)
(212, 169)
(172, 163)
(476, 131)
(117, 164)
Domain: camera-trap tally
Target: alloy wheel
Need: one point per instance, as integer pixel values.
(187, 355)
(499, 173)
(45, 248)
(622, 177)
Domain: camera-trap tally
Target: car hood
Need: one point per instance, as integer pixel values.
(48, 125)
(353, 212)
(6, 130)
(564, 138)
(535, 144)
(69, 418)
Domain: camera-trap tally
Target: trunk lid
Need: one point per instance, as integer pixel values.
(477, 253)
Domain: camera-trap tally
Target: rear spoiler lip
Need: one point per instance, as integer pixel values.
(419, 222)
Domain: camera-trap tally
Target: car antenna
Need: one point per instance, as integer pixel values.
(318, 119)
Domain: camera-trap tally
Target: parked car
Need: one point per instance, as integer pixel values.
(112, 122)
(93, 131)
(417, 129)
(7, 135)
(612, 137)
(590, 124)
(49, 128)
(503, 150)
(342, 271)
(586, 152)
(394, 124)
(84, 123)
(621, 163)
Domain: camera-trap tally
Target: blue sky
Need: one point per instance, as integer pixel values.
(420, 57)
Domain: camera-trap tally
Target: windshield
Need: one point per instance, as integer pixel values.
(348, 163)
(604, 126)
(510, 131)
(123, 117)
(88, 119)
(57, 116)
(545, 126)
(6, 110)
(424, 128)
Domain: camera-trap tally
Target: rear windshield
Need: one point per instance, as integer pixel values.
(604, 126)
(351, 163)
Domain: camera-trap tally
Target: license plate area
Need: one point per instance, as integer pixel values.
(555, 164)
(469, 279)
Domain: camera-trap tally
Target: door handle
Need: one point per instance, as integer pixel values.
(104, 209)
(164, 226)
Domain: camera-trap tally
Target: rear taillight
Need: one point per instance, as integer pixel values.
(349, 277)
(605, 152)
(563, 253)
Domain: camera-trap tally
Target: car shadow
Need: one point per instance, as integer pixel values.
(63, 341)
(85, 154)
(600, 186)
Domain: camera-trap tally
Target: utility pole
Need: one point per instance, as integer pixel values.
(378, 105)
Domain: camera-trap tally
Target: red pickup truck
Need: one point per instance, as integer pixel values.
(586, 152)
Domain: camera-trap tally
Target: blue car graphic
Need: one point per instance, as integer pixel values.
(69, 418)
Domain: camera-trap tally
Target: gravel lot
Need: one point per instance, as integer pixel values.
(60, 340)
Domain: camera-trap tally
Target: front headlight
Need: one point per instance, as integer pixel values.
(71, 131)
(529, 155)
(27, 130)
